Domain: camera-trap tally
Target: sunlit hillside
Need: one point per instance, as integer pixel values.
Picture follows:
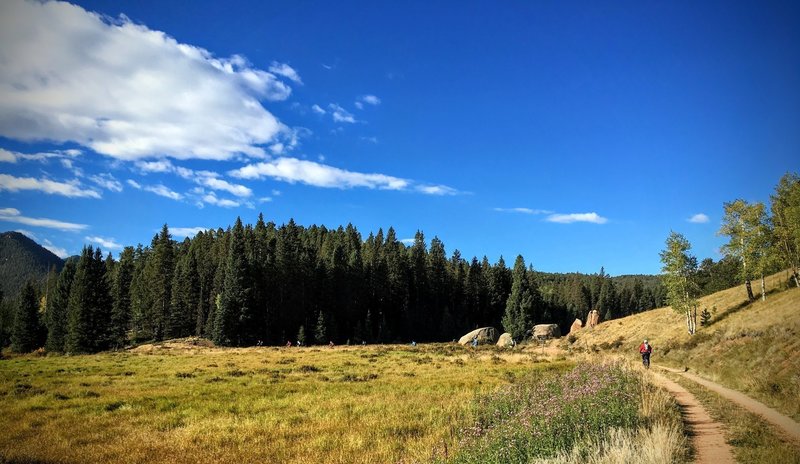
(749, 347)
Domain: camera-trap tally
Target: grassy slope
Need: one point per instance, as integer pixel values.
(196, 404)
(753, 348)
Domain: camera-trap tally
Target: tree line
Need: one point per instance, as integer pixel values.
(759, 243)
(266, 284)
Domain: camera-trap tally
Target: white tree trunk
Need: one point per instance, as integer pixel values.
(763, 289)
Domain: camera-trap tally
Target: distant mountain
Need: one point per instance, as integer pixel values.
(21, 259)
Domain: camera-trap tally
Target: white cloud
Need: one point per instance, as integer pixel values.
(58, 251)
(318, 109)
(28, 234)
(14, 215)
(71, 189)
(186, 231)
(134, 184)
(368, 99)
(436, 190)
(212, 199)
(370, 139)
(155, 166)
(107, 243)
(359, 105)
(293, 170)
(523, 210)
(163, 191)
(340, 114)
(276, 193)
(127, 91)
(107, 181)
(407, 241)
(214, 183)
(7, 156)
(265, 199)
(283, 69)
(577, 217)
(699, 218)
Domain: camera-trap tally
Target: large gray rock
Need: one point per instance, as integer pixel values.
(485, 335)
(546, 331)
(505, 340)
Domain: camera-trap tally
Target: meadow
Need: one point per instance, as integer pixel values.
(187, 402)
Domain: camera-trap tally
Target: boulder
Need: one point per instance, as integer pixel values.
(505, 341)
(485, 335)
(546, 331)
(576, 326)
(593, 319)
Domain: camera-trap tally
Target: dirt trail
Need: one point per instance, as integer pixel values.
(785, 424)
(707, 436)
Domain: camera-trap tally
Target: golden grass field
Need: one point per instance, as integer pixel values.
(753, 348)
(177, 402)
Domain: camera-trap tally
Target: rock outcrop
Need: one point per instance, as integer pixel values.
(576, 326)
(505, 341)
(546, 331)
(593, 319)
(486, 335)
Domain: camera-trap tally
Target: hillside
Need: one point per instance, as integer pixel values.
(750, 347)
(21, 259)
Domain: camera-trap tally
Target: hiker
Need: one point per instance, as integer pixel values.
(330, 344)
(645, 349)
(288, 343)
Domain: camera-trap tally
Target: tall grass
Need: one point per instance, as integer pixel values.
(595, 413)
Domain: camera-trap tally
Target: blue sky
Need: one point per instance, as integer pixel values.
(575, 134)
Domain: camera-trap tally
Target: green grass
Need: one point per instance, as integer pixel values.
(183, 403)
(754, 441)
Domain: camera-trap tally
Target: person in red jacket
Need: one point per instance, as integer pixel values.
(645, 349)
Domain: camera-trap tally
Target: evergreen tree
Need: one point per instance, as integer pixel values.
(121, 291)
(57, 315)
(89, 305)
(321, 329)
(519, 307)
(235, 317)
(185, 292)
(26, 328)
(160, 280)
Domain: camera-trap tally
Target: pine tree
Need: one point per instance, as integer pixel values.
(519, 307)
(26, 328)
(121, 291)
(89, 305)
(236, 312)
(185, 294)
(160, 281)
(57, 315)
(321, 329)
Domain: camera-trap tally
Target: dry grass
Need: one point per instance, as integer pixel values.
(185, 403)
(750, 347)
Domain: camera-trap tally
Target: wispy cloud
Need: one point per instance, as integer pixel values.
(134, 184)
(163, 191)
(107, 243)
(71, 189)
(127, 91)
(699, 218)
(407, 241)
(28, 234)
(317, 109)
(211, 199)
(367, 99)
(340, 114)
(293, 170)
(283, 69)
(593, 218)
(186, 231)
(107, 181)
(207, 179)
(523, 210)
(8, 156)
(56, 250)
(14, 215)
